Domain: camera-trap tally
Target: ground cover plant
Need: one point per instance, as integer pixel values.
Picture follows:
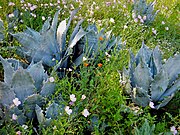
(68, 67)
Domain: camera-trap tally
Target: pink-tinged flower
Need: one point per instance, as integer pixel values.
(33, 7)
(136, 20)
(51, 79)
(72, 97)
(11, 15)
(162, 22)
(16, 102)
(83, 97)
(139, 17)
(108, 3)
(68, 110)
(11, 4)
(141, 20)
(173, 130)
(85, 113)
(18, 133)
(151, 104)
(14, 117)
(154, 31)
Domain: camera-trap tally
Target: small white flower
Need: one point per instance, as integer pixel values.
(54, 128)
(107, 54)
(85, 113)
(162, 22)
(16, 102)
(11, 4)
(141, 20)
(51, 79)
(72, 97)
(14, 117)
(70, 69)
(166, 28)
(68, 111)
(83, 97)
(133, 15)
(84, 58)
(144, 18)
(125, 26)
(173, 129)
(11, 15)
(43, 18)
(154, 31)
(136, 20)
(112, 20)
(151, 104)
(139, 17)
(25, 127)
(18, 133)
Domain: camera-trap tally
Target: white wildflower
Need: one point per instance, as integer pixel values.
(16, 102)
(151, 104)
(51, 79)
(72, 97)
(173, 129)
(112, 20)
(85, 113)
(83, 97)
(68, 110)
(14, 117)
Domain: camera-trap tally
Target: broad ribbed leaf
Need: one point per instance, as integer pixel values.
(6, 94)
(53, 111)
(131, 68)
(30, 104)
(55, 21)
(144, 54)
(92, 41)
(8, 70)
(142, 76)
(38, 74)
(46, 25)
(155, 62)
(22, 84)
(76, 30)
(78, 36)
(172, 67)
(21, 119)
(47, 89)
(175, 87)
(40, 115)
(16, 64)
(140, 96)
(60, 35)
(165, 101)
(159, 85)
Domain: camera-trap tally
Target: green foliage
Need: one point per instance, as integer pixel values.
(151, 81)
(146, 129)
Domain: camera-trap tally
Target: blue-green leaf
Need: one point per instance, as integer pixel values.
(8, 70)
(142, 76)
(22, 84)
(172, 68)
(6, 94)
(159, 85)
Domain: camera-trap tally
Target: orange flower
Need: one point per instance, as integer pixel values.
(100, 38)
(100, 65)
(86, 64)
